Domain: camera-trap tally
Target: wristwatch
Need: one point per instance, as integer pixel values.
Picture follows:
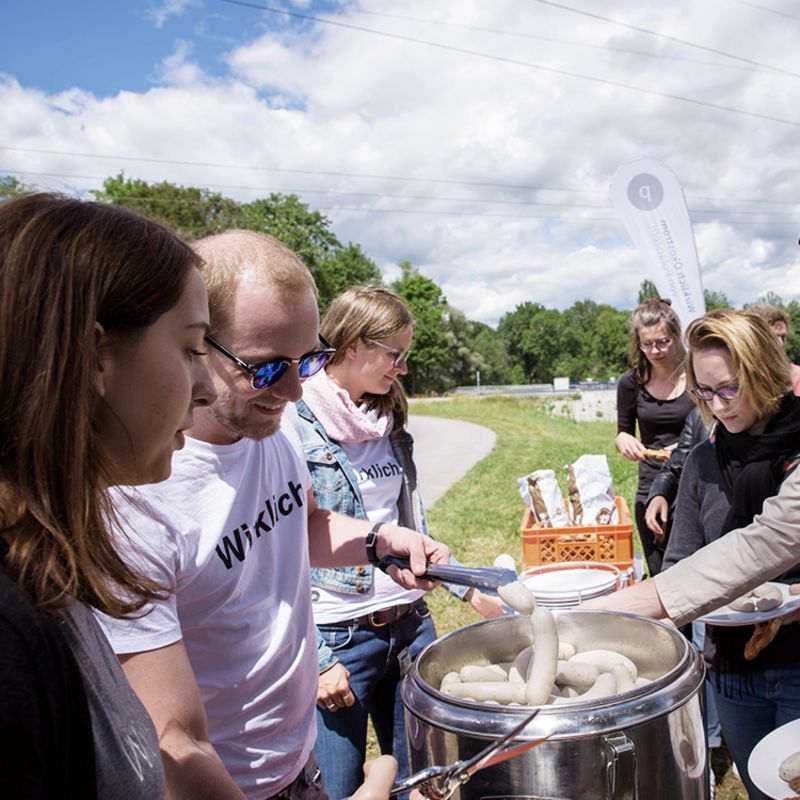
(371, 544)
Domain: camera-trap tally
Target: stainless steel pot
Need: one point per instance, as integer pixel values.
(644, 744)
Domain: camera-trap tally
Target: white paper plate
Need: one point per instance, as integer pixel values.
(728, 617)
(570, 581)
(767, 756)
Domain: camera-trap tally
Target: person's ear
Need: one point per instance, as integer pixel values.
(102, 352)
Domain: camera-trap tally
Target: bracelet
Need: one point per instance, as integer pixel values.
(371, 544)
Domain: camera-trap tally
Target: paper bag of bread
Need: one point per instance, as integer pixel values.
(591, 491)
(541, 491)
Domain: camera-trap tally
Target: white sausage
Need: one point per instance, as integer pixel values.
(544, 663)
(605, 659)
(575, 673)
(604, 686)
(473, 673)
(790, 767)
(622, 677)
(481, 692)
(518, 673)
(451, 677)
(517, 596)
(565, 650)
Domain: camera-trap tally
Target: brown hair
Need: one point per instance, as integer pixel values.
(770, 314)
(759, 361)
(229, 255)
(646, 315)
(360, 314)
(66, 265)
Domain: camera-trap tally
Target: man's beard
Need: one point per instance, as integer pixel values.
(242, 425)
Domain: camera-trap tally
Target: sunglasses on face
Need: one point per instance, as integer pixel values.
(268, 373)
(398, 356)
(660, 344)
(725, 393)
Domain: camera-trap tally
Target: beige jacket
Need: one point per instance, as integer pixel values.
(740, 560)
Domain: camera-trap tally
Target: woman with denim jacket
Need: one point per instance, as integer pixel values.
(352, 422)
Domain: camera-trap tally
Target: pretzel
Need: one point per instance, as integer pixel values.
(763, 634)
(657, 455)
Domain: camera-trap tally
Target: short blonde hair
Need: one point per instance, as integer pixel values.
(759, 361)
(230, 255)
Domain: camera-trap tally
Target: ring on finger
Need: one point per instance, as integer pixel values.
(331, 706)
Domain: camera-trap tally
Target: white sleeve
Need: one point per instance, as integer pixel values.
(737, 562)
(149, 545)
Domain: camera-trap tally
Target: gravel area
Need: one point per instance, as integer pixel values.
(592, 406)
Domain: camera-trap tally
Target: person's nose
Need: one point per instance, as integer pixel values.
(203, 391)
(402, 367)
(716, 403)
(289, 387)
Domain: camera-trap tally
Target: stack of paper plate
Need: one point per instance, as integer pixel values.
(567, 585)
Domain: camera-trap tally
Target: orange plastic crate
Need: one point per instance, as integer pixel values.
(608, 544)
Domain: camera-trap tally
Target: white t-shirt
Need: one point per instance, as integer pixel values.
(229, 530)
(380, 478)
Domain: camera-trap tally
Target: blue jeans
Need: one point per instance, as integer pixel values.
(372, 655)
(749, 710)
(713, 731)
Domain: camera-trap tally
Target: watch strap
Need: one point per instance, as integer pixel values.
(371, 544)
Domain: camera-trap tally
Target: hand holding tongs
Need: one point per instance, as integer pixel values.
(439, 783)
(486, 579)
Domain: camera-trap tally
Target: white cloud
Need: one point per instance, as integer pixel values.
(335, 100)
(160, 13)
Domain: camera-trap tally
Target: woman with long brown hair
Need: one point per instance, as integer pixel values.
(653, 397)
(102, 317)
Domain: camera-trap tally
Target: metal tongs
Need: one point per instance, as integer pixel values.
(439, 783)
(487, 579)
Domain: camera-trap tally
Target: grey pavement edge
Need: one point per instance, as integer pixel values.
(444, 451)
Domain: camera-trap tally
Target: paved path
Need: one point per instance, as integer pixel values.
(445, 450)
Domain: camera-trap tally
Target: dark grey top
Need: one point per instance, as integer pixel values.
(128, 760)
(701, 506)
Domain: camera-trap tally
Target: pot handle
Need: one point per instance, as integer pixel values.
(620, 767)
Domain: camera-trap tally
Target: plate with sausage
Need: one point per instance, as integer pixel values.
(772, 756)
(730, 616)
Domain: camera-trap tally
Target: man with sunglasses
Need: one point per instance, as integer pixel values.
(227, 663)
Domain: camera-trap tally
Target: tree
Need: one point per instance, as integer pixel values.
(428, 362)
(347, 266)
(191, 212)
(11, 187)
(648, 291)
(715, 300)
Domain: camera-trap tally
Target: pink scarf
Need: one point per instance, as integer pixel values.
(342, 419)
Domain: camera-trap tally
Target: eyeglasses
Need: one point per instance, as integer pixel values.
(660, 344)
(399, 357)
(268, 373)
(725, 393)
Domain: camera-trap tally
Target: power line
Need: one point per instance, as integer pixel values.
(666, 36)
(755, 201)
(252, 167)
(723, 216)
(768, 10)
(550, 39)
(516, 62)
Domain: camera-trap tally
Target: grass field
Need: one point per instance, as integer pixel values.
(481, 515)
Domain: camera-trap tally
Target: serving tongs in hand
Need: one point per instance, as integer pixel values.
(439, 783)
(486, 579)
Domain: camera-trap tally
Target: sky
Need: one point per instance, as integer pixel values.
(475, 139)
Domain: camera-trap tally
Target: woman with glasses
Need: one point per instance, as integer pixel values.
(101, 333)
(653, 396)
(739, 377)
(352, 418)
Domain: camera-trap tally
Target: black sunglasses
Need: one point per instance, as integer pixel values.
(268, 373)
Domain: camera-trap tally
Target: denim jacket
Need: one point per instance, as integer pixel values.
(336, 489)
